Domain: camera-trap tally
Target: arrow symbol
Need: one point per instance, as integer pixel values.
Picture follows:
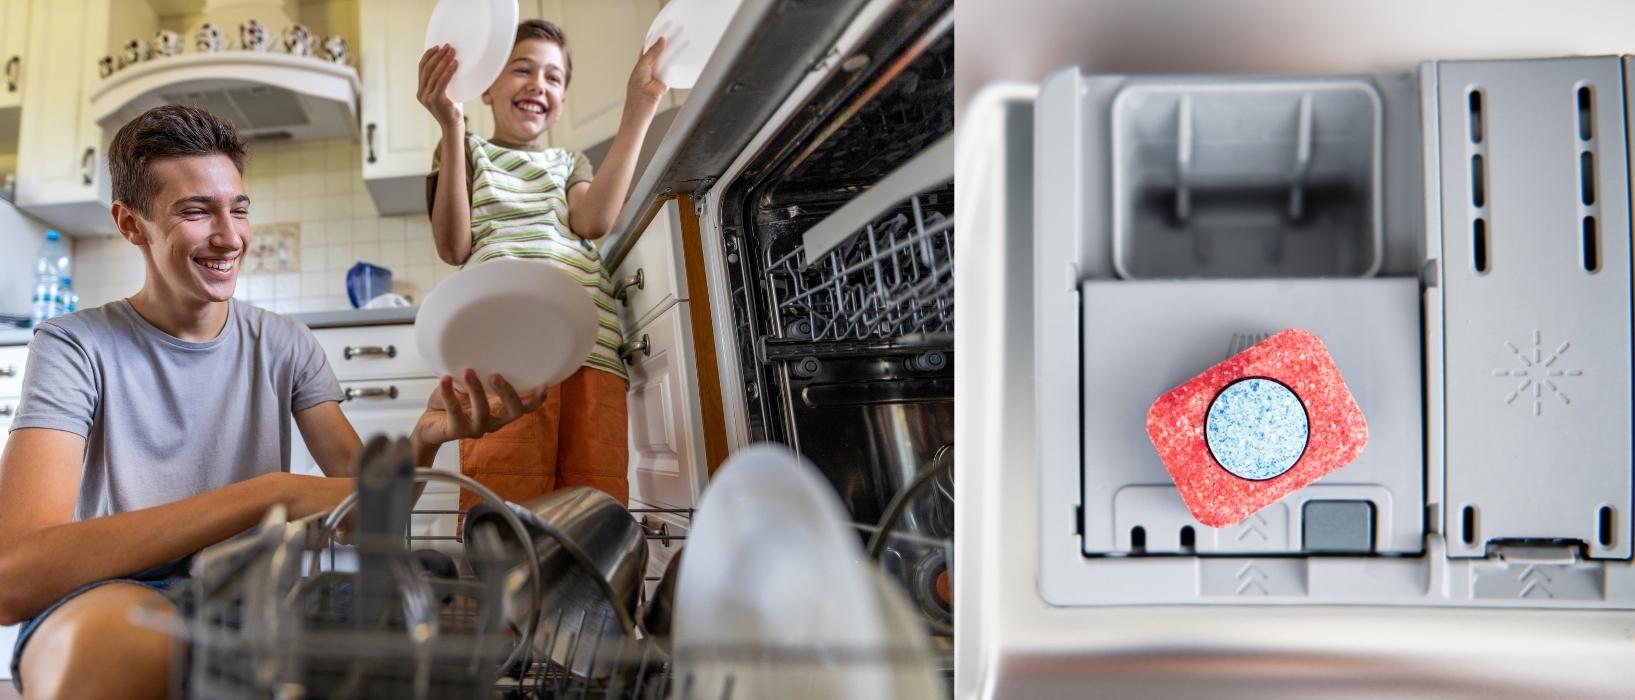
(1253, 586)
(1250, 571)
(1534, 578)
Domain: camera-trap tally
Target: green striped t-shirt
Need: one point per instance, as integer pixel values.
(519, 209)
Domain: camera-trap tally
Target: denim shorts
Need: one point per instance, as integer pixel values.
(161, 579)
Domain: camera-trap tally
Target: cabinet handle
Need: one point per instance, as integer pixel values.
(86, 163)
(352, 351)
(371, 392)
(7, 410)
(621, 291)
(13, 72)
(627, 352)
(660, 533)
(369, 140)
(8, 371)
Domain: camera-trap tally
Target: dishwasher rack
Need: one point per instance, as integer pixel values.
(893, 278)
(275, 613)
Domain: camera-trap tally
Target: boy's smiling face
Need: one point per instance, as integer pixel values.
(527, 97)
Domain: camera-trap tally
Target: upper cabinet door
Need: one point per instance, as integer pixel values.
(62, 173)
(399, 135)
(605, 39)
(13, 47)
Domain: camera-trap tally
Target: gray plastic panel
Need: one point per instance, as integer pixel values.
(1537, 369)
(1247, 178)
(1142, 338)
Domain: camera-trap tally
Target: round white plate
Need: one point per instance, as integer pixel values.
(691, 30)
(526, 320)
(774, 598)
(481, 32)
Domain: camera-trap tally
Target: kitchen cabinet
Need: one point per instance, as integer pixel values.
(606, 38)
(399, 135)
(668, 465)
(385, 385)
(13, 360)
(62, 173)
(13, 46)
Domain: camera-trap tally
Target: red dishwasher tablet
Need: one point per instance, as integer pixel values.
(1256, 427)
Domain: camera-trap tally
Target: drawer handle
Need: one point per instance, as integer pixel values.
(369, 140)
(13, 73)
(621, 291)
(8, 371)
(627, 352)
(660, 533)
(8, 410)
(371, 392)
(352, 351)
(87, 163)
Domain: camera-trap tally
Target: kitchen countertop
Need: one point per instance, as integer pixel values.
(356, 317)
(313, 319)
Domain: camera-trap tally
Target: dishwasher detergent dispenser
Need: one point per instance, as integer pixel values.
(1458, 238)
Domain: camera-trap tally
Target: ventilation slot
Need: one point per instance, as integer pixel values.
(1478, 183)
(1138, 538)
(1188, 537)
(1591, 246)
(1478, 244)
(1608, 520)
(1586, 178)
(1468, 527)
(1585, 130)
(1475, 116)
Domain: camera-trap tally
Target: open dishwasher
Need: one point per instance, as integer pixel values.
(1458, 236)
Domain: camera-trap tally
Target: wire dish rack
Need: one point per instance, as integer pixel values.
(284, 612)
(893, 278)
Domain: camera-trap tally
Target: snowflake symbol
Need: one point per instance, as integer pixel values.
(1537, 373)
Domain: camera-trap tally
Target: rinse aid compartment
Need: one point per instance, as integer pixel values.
(1459, 239)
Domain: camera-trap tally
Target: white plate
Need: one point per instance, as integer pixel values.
(691, 30)
(481, 32)
(774, 566)
(526, 320)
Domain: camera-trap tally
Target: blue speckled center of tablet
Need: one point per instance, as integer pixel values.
(1256, 429)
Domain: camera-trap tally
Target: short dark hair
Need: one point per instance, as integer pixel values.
(549, 31)
(169, 131)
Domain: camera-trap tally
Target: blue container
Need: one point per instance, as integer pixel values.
(365, 282)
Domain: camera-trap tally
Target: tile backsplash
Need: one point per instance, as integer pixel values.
(314, 193)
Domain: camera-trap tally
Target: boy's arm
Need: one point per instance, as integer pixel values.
(593, 206)
(45, 555)
(451, 200)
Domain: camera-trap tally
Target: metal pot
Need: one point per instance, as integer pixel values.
(592, 557)
(660, 611)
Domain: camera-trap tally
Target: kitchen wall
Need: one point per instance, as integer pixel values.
(315, 186)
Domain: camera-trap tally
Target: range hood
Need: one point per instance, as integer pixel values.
(265, 94)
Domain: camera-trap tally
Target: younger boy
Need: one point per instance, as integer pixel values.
(507, 196)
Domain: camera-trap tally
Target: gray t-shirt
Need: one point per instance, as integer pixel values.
(165, 419)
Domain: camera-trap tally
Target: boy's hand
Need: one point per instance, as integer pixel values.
(452, 415)
(645, 88)
(437, 67)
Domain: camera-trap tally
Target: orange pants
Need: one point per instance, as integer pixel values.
(577, 437)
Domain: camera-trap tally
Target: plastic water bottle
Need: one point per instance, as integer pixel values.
(53, 285)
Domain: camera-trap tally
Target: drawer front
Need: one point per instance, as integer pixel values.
(666, 436)
(656, 258)
(389, 406)
(13, 362)
(372, 352)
